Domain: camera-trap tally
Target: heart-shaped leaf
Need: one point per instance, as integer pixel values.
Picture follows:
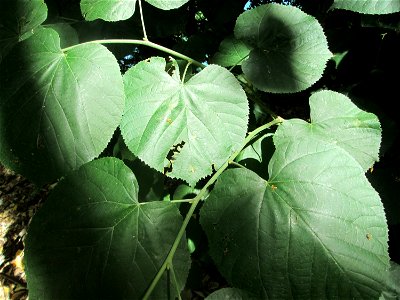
(185, 126)
(58, 110)
(316, 229)
(18, 19)
(117, 10)
(335, 119)
(368, 6)
(290, 50)
(92, 239)
(109, 10)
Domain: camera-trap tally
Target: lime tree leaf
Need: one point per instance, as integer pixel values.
(290, 50)
(58, 110)
(231, 52)
(315, 230)
(230, 294)
(392, 290)
(376, 7)
(185, 127)
(335, 119)
(18, 19)
(92, 239)
(68, 35)
(167, 4)
(108, 10)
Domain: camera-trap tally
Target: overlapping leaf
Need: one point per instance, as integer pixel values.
(290, 50)
(335, 119)
(18, 19)
(368, 6)
(316, 229)
(92, 239)
(116, 10)
(58, 110)
(197, 123)
(231, 52)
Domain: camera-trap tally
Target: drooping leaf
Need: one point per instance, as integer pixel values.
(230, 294)
(58, 110)
(315, 230)
(376, 7)
(92, 239)
(18, 19)
(335, 119)
(231, 52)
(167, 4)
(290, 48)
(185, 127)
(109, 10)
(68, 35)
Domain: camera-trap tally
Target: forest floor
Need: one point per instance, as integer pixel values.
(19, 200)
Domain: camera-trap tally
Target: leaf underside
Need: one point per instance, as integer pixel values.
(377, 7)
(58, 110)
(18, 20)
(92, 239)
(290, 50)
(316, 229)
(201, 121)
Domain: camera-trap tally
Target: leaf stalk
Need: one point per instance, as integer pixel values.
(203, 192)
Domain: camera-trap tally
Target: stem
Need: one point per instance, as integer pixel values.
(234, 163)
(171, 268)
(184, 72)
(196, 200)
(140, 42)
(142, 19)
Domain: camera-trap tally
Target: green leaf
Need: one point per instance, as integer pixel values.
(92, 239)
(230, 294)
(376, 7)
(231, 52)
(336, 120)
(58, 109)
(108, 10)
(185, 127)
(315, 230)
(167, 4)
(18, 20)
(290, 48)
(392, 290)
(68, 35)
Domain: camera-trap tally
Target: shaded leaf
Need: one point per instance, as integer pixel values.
(368, 6)
(392, 290)
(92, 239)
(183, 126)
(231, 52)
(109, 10)
(167, 4)
(230, 294)
(58, 110)
(290, 48)
(315, 230)
(18, 19)
(68, 35)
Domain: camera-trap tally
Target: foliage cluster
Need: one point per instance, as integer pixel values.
(156, 116)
